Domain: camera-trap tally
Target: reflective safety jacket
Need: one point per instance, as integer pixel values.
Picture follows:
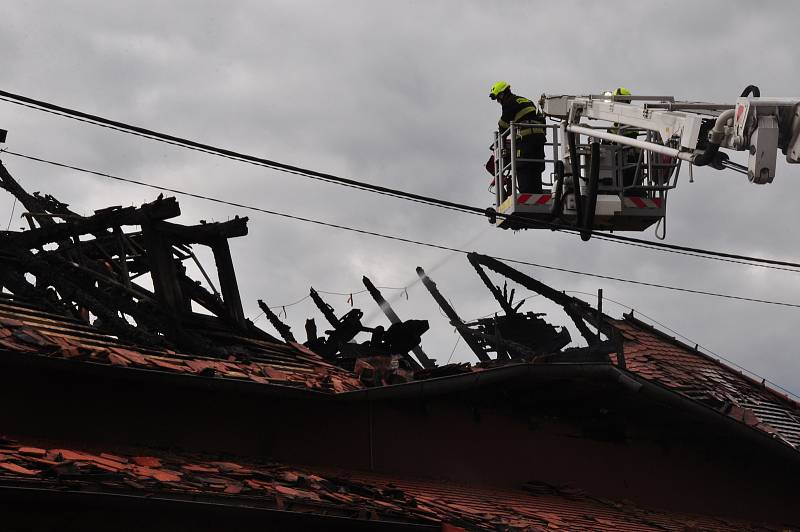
(519, 109)
(630, 132)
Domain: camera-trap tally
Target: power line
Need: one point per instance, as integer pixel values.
(698, 256)
(229, 154)
(313, 174)
(458, 339)
(403, 239)
(10, 218)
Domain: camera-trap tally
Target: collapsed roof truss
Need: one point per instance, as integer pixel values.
(79, 266)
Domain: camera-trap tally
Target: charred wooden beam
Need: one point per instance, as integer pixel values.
(528, 330)
(510, 348)
(96, 275)
(227, 281)
(344, 331)
(136, 302)
(56, 207)
(163, 269)
(186, 248)
(599, 352)
(311, 330)
(505, 303)
(101, 304)
(107, 241)
(122, 253)
(325, 308)
(17, 284)
(160, 209)
(387, 309)
(207, 234)
(94, 288)
(401, 338)
(195, 291)
(30, 202)
(452, 315)
(284, 330)
(217, 333)
(576, 309)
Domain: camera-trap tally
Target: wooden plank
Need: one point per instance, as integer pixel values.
(227, 281)
(451, 314)
(162, 269)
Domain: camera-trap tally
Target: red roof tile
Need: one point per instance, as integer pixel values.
(661, 359)
(458, 507)
(259, 362)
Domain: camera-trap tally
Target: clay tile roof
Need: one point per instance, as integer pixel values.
(662, 359)
(27, 330)
(336, 492)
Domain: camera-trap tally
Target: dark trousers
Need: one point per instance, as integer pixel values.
(529, 175)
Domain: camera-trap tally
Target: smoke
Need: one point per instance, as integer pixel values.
(436, 266)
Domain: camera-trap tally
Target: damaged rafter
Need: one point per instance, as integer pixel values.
(158, 210)
(32, 203)
(452, 315)
(16, 282)
(387, 309)
(340, 347)
(506, 300)
(78, 283)
(284, 330)
(86, 266)
(206, 234)
(323, 307)
(577, 310)
(102, 305)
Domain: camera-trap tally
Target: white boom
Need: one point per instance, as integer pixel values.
(760, 126)
(615, 158)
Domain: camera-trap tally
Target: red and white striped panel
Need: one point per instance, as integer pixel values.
(533, 199)
(642, 203)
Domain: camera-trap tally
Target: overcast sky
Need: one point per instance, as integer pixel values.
(395, 93)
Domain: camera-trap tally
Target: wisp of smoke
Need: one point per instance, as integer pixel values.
(429, 270)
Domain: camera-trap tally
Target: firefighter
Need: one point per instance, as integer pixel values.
(630, 156)
(530, 141)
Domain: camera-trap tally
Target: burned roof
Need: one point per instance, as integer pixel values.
(27, 331)
(70, 300)
(361, 496)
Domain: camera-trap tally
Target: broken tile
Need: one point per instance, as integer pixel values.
(146, 461)
(14, 468)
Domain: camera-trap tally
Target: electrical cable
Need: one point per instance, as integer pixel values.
(229, 154)
(275, 165)
(705, 257)
(10, 218)
(646, 245)
(407, 240)
(458, 339)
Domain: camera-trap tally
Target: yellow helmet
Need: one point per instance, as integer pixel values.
(621, 91)
(498, 88)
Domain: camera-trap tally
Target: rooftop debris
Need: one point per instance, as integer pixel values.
(29, 331)
(229, 481)
(339, 347)
(513, 335)
(413, 339)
